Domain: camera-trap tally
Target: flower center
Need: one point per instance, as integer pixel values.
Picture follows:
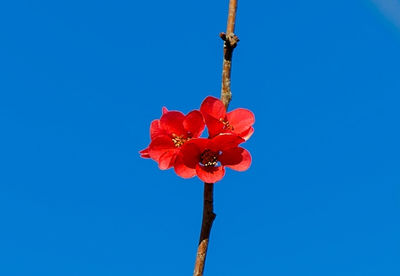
(209, 158)
(178, 140)
(226, 124)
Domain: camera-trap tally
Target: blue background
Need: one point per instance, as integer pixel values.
(80, 82)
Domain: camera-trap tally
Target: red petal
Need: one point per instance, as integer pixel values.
(192, 150)
(172, 122)
(224, 142)
(159, 146)
(181, 169)
(238, 159)
(144, 153)
(156, 130)
(213, 107)
(210, 174)
(164, 110)
(240, 119)
(167, 160)
(247, 134)
(214, 126)
(194, 123)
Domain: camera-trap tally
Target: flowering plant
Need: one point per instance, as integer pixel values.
(175, 141)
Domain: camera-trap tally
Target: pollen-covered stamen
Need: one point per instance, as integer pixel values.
(209, 158)
(226, 124)
(179, 140)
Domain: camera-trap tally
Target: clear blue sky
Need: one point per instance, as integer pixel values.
(80, 82)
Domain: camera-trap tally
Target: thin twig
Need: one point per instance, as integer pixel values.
(208, 218)
(230, 42)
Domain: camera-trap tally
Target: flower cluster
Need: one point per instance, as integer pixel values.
(175, 141)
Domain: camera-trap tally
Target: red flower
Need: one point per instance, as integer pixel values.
(238, 121)
(209, 157)
(169, 133)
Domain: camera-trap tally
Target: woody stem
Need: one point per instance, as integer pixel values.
(208, 219)
(230, 42)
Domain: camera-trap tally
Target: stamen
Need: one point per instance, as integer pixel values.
(179, 140)
(209, 158)
(226, 124)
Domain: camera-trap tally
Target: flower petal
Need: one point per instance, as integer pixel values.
(237, 159)
(194, 123)
(172, 122)
(214, 126)
(210, 174)
(213, 107)
(181, 169)
(159, 146)
(224, 142)
(247, 134)
(240, 119)
(156, 130)
(167, 159)
(144, 153)
(164, 110)
(192, 150)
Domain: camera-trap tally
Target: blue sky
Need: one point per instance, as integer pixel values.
(80, 82)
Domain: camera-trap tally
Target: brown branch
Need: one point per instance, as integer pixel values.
(208, 219)
(230, 42)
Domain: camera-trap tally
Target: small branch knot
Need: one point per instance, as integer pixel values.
(230, 40)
